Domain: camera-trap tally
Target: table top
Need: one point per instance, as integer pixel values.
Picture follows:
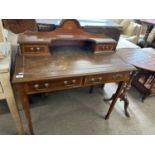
(143, 58)
(67, 62)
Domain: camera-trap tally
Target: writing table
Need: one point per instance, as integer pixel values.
(69, 68)
(144, 60)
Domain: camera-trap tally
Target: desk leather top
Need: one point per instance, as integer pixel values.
(143, 58)
(67, 63)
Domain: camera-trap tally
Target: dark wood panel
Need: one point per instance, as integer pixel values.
(69, 32)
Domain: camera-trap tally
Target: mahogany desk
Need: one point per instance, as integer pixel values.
(144, 60)
(67, 69)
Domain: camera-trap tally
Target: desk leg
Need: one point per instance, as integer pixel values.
(114, 98)
(22, 97)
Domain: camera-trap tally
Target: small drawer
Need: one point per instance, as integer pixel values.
(106, 78)
(52, 85)
(1, 89)
(34, 50)
(105, 47)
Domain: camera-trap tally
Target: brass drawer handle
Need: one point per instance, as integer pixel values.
(46, 85)
(107, 47)
(69, 84)
(36, 86)
(92, 79)
(73, 81)
(38, 48)
(31, 48)
(102, 47)
(117, 76)
(100, 78)
(66, 82)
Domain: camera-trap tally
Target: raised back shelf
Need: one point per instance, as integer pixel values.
(68, 33)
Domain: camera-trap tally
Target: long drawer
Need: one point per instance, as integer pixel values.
(51, 85)
(106, 78)
(74, 82)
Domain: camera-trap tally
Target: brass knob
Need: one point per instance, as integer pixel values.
(65, 82)
(31, 48)
(103, 47)
(38, 49)
(100, 78)
(107, 47)
(73, 81)
(92, 79)
(46, 85)
(36, 86)
(117, 76)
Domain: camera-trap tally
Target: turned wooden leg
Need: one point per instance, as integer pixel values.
(25, 103)
(126, 104)
(116, 96)
(123, 96)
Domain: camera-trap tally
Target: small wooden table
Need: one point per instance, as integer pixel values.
(144, 60)
(67, 69)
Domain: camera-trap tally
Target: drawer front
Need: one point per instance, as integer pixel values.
(1, 89)
(106, 78)
(34, 50)
(105, 47)
(52, 85)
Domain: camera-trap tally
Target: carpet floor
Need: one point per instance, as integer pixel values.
(76, 112)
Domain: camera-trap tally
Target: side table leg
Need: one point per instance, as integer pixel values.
(123, 96)
(115, 97)
(126, 104)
